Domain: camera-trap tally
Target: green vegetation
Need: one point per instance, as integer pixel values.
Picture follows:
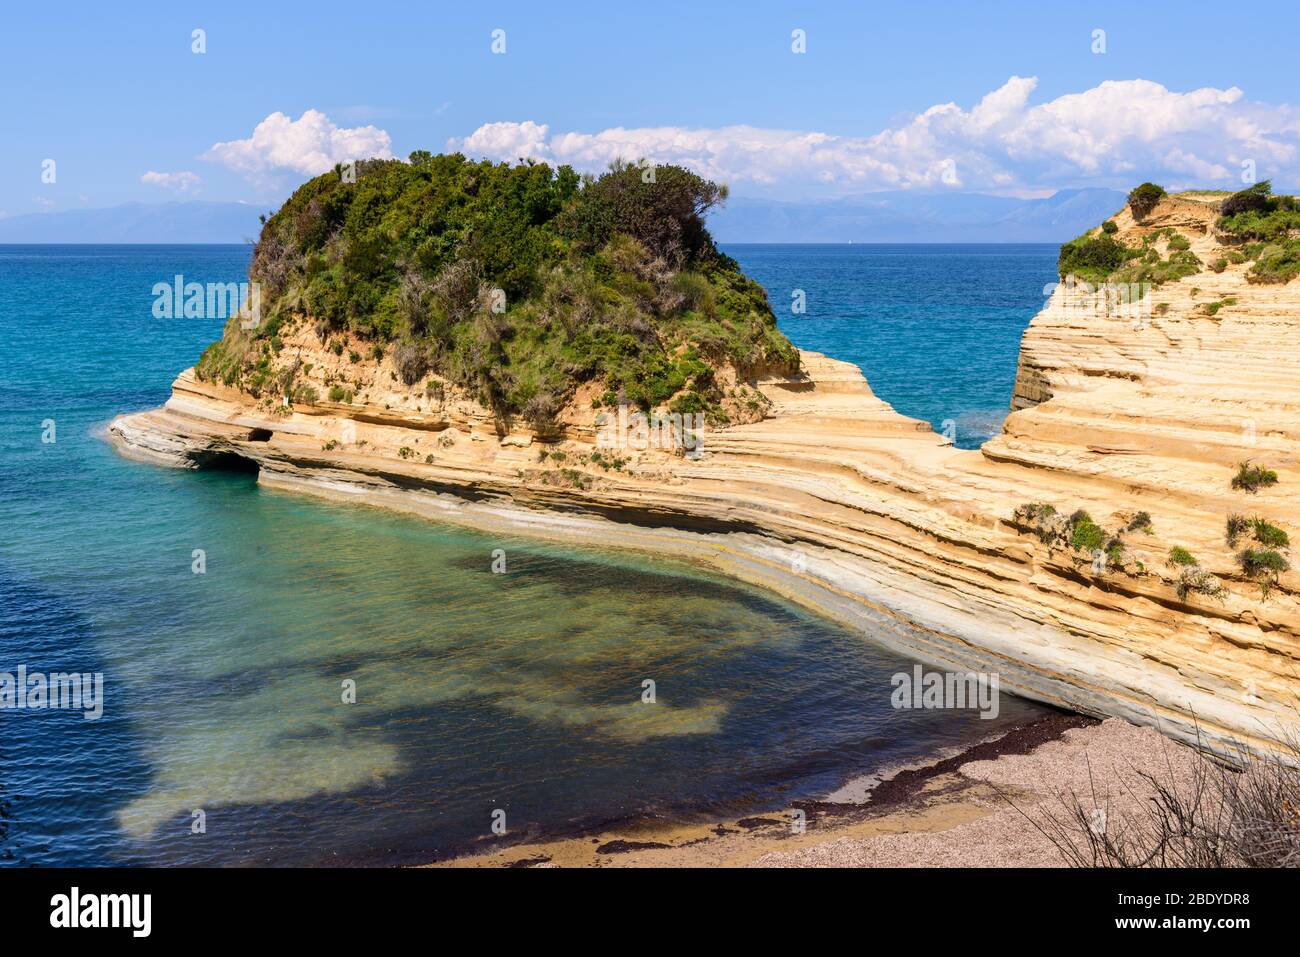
(1252, 478)
(1266, 533)
(1261, 530)
(1269, 226)
(1181, 556)
(1275, 263)
(1093, 258)
(1237, 526)
(1050, 528)
(518, 283)
(1085, 534)
(1141, 522)
(1212, 308)
(1196, 580)
(1105, 259)
(1142, 200)
(1078, 532)
(1263, 565)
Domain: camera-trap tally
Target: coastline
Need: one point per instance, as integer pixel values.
(833, 500)
(990, 805)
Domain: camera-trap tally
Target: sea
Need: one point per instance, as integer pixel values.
(284, 681)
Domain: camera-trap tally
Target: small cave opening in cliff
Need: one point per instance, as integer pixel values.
(225, 461)
(260, 435)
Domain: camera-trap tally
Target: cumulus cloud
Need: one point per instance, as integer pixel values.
(1112, 134)
(310, 145)
(182, 181)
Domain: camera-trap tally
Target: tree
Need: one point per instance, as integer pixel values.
(662, 207)
(1143, 199)
(1256, 198)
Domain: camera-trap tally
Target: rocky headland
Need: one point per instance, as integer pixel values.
(1085, 554)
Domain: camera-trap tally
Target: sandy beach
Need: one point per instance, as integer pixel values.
(986, 807)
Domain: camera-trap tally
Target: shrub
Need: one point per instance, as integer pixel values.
(1085, 534)
(1251, 478)
(1256, 560)
(1179, 243)
(689, 403)
(1219, 265)
(1109, 227)
(665, 214)
(411, 361)
(1051, 528)
(1276, 263)
(1093, 258)
(1268, 534)
(405, 452)
(1263, 565)
(1181, 556)
(1254, 198)
(1141, 522)
(1198, 813)
(1236, 527)
(1143, 199)
(1196, 580)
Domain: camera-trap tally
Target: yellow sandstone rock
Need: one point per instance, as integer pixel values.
(836, 501)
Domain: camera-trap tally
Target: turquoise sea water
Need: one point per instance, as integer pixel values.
(474, 692)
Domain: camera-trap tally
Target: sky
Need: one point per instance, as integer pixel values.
(1005, 97)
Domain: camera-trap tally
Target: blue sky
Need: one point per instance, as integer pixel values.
(114, 93)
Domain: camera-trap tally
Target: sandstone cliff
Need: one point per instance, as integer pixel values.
(839, 502)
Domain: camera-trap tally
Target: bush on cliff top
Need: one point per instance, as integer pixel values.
(516, 282)
(1143, 199)
(1270, 225)
(1093, 258)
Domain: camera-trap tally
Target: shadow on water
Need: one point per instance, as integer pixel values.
(61, 776)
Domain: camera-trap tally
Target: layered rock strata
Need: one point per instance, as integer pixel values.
(837, 501)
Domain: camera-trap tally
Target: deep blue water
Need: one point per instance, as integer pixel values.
(935, 328)
(474, 691)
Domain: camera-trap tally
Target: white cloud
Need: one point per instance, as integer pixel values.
(1111, 134)
(310, 145)
(182, 182)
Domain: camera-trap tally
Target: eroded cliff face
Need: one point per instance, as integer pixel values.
(837, 501)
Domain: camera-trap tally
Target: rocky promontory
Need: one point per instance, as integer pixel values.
(1108, 552)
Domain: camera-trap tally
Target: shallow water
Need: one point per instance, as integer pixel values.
(474, 691)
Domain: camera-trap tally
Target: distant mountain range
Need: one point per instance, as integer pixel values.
(910, 217)
(897, 217)
(177, 222)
